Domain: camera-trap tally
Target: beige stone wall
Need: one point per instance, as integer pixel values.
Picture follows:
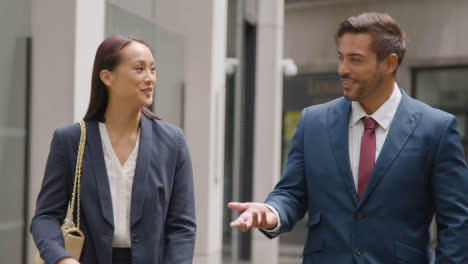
(436, 32)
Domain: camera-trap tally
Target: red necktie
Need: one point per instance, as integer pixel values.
(367, 156)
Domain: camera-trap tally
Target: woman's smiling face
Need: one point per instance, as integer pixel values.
(133, 79)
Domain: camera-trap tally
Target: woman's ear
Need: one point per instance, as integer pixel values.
(106, 77)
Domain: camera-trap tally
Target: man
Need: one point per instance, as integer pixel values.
(372, 168)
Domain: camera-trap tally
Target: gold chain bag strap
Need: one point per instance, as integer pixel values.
(72, 235)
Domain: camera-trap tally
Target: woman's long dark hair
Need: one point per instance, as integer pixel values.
(107, 58)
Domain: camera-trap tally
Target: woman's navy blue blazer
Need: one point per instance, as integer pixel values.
(162, 215)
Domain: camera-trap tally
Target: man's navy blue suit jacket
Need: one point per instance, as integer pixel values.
(421, 170)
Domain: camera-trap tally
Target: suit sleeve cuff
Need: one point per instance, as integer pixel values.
(277, 228)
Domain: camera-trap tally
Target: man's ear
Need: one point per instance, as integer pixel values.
(390, 63)
(106, 77)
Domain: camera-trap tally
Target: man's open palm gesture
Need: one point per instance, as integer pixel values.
(255, 215)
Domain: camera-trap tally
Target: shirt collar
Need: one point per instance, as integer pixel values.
(383, 116)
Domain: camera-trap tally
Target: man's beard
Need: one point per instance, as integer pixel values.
(365, 87)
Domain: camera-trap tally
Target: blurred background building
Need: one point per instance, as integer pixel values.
(222, 77)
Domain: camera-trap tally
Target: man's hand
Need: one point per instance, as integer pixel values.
(254, 215)
(67, 261)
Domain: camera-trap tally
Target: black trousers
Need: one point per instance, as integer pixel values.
(121, 256)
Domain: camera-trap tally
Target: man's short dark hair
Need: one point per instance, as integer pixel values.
(387, 36)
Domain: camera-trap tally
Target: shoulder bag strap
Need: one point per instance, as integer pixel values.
(76, 185)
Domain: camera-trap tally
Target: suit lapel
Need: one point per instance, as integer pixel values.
(402, 127)
(141, 171)
(94, 145)
(338, 118)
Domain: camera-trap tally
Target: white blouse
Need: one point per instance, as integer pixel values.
(120, 181)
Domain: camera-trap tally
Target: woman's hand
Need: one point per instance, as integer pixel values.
(67, 261)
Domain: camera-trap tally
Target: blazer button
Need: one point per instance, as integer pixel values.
(136, 238)
(359, 215)
(357, 251)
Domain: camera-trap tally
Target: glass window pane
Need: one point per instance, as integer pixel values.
(300, 92)
(14, 25)
(461, 122)
(446, 89)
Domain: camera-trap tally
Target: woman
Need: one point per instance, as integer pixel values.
(137, 201)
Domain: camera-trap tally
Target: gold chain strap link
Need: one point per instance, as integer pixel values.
(77, 182)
